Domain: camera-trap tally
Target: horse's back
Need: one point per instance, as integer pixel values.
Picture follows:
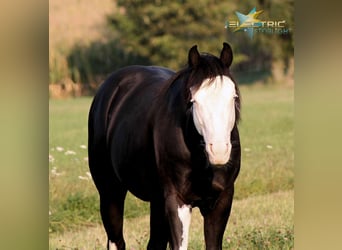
(133, 81)
(119, 125)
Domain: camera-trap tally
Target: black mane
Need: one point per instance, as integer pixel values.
(209, 67)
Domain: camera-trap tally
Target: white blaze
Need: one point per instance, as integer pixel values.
(214, 116)
(184, 214)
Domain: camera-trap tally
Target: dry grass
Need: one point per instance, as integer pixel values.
(261, 222)
(73, 23)
(77, 21)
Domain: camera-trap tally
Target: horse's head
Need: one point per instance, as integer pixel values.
(214, 102)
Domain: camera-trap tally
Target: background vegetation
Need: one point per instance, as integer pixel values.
(88, 39)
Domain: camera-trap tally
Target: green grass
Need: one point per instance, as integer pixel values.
(262, 215)
(261, 222)
(267, 141)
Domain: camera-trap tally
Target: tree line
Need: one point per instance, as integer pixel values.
(161, 33)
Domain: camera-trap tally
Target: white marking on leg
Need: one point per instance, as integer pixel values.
(112, 246)
(184, 214)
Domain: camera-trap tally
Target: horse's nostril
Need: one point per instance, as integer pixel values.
(211, 148)
(218, 148)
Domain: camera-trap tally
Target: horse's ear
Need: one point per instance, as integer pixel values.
(226, 56)
(194, 56)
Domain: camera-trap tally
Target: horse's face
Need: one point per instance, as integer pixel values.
(214, 116)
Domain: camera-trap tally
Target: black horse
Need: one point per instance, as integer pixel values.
(170, 139)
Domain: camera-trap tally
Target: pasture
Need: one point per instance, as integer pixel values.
(262, 213)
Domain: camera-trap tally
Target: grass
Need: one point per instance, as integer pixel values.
(77, 22)
(267, 141)
(262, 215)
(261, 222)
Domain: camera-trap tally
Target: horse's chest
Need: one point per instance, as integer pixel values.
(207, 186)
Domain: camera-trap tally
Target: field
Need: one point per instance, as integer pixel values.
(262, 214)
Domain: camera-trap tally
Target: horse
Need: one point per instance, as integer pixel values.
(171, 139)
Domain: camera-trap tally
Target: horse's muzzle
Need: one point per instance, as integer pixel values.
(218, 152)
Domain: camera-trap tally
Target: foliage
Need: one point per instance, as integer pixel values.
(92, 63)
(165, 30)
(161, 33)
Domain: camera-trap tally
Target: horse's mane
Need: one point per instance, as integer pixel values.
(209, 67)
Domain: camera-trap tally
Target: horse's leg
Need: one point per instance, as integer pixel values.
(159, 226)
(112, 209)
(112, 195)
(215, 220)
(179, 217)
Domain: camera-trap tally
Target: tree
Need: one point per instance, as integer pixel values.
(163, 31)
(267, 55)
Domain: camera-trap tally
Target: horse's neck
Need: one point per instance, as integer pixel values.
(192, 138)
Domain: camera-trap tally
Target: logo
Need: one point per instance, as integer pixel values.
(251, 24)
